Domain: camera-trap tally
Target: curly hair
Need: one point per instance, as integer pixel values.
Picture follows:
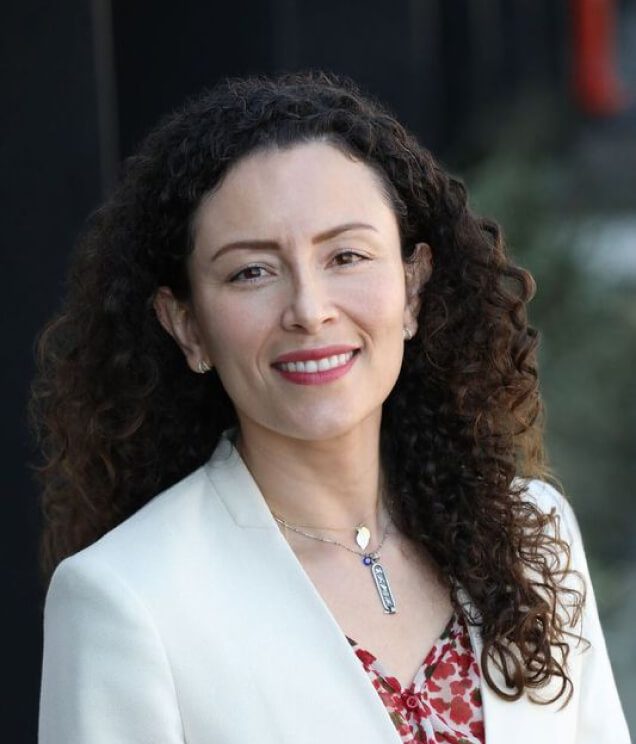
(119, 417)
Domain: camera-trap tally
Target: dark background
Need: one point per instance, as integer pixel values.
(83, 81)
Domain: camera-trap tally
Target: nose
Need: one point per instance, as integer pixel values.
(310, 304)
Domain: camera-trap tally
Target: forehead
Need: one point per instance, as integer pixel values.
(308, 187)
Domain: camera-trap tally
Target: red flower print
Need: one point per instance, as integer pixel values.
(395, 685)
(444, 706)
(387, 697)
(459, 687)
(439, 705)
(385, 684)
(460, 710)
(443, 670)
(477, 729)
(429, 669)
(365, 657)
(432, 687)
(464, 662)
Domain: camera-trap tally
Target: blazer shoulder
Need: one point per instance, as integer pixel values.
(155, 535)
(540, 492)
(549, 499)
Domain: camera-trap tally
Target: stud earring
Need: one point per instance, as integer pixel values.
(408, 334)
(203, 367)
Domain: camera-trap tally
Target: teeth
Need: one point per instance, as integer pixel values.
(317, 365)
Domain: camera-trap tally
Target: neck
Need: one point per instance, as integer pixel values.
(327, 487)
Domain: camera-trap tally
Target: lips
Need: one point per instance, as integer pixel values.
(305, 355)
(317, 372)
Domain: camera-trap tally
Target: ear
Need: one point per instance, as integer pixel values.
(417, 270)
(177, 319)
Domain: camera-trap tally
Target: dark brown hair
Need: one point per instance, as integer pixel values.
(120, 417)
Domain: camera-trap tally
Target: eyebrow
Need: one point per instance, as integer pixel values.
(273, 245)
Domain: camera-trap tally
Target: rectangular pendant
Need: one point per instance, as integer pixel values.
(384, 590)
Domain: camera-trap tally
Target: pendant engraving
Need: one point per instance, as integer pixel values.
(363, 535)
(384, 590)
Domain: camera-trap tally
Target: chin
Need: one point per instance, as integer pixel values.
(314, 429)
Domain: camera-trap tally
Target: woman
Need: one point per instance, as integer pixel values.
(293, 477)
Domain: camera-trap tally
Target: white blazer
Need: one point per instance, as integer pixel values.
(152, 635)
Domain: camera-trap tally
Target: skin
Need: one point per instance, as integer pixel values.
(313, 449)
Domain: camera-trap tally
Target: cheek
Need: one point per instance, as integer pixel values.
(239, 332)
(380, 299)
(235, 332)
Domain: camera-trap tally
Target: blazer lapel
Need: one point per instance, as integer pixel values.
(307, 648)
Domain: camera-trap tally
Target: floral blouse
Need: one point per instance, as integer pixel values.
(443, 703)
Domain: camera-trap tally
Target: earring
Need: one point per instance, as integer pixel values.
(408, 334)
(203, 367)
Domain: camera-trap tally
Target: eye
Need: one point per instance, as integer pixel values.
(353, 254)
(243, 272)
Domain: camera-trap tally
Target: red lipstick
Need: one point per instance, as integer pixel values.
(318, 377)
(305, 355)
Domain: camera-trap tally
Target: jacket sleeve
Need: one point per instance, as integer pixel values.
(105, 674)
(600, 715)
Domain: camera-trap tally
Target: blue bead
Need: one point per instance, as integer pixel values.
(367, 561)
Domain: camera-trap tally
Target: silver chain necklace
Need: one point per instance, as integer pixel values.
(372, 560)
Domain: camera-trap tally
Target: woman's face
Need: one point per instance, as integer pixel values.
(298, 251)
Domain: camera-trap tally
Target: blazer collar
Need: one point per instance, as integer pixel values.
(236, 486)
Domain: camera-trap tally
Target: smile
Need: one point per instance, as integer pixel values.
(316, 365)
(317, 371)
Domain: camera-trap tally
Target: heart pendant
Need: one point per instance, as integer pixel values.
(363, 535)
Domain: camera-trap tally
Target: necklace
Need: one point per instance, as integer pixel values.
(372, 560)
